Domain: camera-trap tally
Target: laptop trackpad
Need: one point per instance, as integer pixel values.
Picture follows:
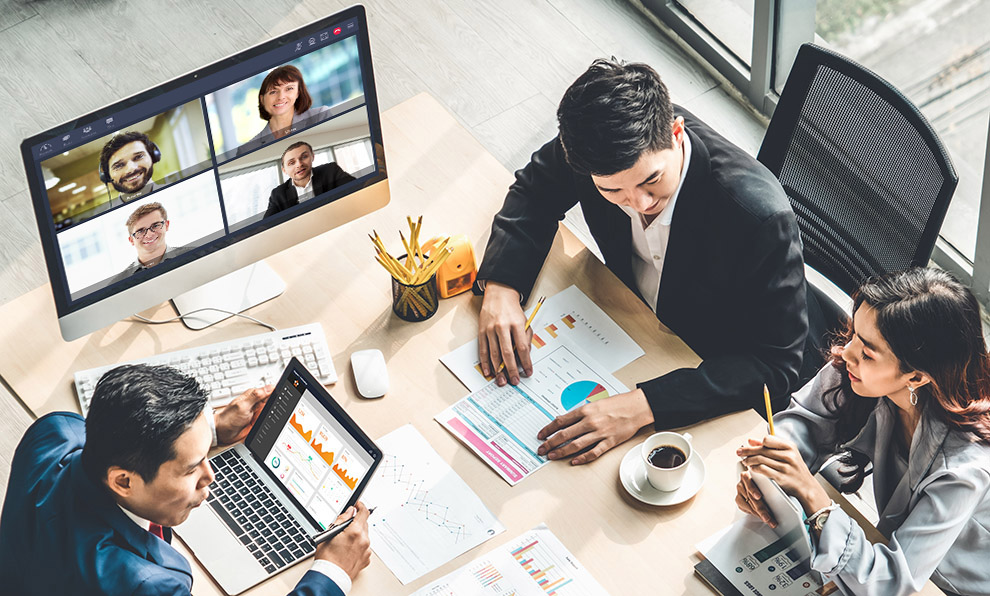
(220, 552)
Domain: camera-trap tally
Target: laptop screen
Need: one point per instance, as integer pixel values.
(312, 447)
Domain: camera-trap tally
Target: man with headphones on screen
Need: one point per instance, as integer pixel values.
(127, 161)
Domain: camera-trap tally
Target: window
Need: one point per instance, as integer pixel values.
(938, 57)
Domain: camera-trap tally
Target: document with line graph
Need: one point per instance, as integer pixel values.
(425, 513)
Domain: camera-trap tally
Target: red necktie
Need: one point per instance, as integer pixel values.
(156, 530)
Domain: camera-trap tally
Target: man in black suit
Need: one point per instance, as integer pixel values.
(700, 230)
(304, 181)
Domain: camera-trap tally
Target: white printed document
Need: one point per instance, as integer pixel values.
(500, 424)
(534, 564)
(568, 315)
(425, 513)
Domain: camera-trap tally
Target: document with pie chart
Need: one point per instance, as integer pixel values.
(566, 317)
(500, 424)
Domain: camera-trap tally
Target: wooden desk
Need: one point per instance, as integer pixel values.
(438, 170)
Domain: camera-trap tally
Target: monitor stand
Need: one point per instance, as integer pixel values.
(234, 293)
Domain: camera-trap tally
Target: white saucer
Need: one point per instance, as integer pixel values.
(632, 473)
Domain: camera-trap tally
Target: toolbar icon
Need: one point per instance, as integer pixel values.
(298, 46)
(336, 31)
(65, 139)
(312, 41)
(87, 129)
(45, 148)
(110, 120)
(324, 36)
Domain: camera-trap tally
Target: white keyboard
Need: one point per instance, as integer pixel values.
(229, 368)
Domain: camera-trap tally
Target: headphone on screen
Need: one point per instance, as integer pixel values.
(129, 137)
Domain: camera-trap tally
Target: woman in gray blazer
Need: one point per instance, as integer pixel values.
(908, 391)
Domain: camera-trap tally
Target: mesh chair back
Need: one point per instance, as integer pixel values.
(867, 177)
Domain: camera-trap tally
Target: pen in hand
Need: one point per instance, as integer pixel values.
(529, 322)
(335, 529)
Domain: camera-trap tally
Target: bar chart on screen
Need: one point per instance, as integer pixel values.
(534, 564)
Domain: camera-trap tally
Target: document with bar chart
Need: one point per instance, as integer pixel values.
(534, 564)
(500, 424)
(425, 513)
(568, 315)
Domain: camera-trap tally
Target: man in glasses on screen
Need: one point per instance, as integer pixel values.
(146, 229)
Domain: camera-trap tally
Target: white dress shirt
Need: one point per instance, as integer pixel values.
(649, 241)
(304, 192)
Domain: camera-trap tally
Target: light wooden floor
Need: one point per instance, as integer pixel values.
(500, 66)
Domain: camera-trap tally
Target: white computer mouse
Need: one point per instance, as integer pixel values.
(370, 373)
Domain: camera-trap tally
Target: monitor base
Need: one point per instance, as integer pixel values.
(234, 293)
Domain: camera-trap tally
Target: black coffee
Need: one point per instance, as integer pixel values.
(667, 456)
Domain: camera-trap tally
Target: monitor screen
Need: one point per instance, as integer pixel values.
(158, 193)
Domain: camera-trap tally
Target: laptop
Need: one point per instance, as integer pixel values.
(304, 462)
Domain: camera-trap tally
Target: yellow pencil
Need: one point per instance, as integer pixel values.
(766, 398)
(529, 322)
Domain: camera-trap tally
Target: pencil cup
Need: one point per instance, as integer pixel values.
(415, 303)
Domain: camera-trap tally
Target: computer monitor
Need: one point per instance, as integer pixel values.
(152, 197)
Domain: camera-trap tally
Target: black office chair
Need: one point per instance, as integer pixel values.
(866, 175)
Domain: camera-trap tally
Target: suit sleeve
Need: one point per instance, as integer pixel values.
(525, 226)
(274, 204)
(315, 583)
(339, 176)
(768, 347)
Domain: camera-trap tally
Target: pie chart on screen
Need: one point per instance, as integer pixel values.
(580, 393)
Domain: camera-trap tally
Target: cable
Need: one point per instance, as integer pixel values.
(180, 317)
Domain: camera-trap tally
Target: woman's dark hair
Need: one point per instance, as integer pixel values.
(932, 324)
(612, 114)
(136, 415)
(280, 76)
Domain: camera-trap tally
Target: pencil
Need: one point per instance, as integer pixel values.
(529, 322)
(766, 399)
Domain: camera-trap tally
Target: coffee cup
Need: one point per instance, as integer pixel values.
(666, 457)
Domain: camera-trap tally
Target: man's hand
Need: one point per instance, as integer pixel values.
(779, 460)
(601, 425)
(234, 421)
(351, 549)
(502, 324)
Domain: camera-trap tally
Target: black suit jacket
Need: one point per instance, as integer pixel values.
(325, 177)
(733, 284)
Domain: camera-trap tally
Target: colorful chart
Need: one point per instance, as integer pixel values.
(580, 393)
(552, 330)
(349, 469)
(325, 445)
(538, 341)
(487, 575)
(304, 422)
(548, 577)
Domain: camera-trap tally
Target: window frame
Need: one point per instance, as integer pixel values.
(779, 29)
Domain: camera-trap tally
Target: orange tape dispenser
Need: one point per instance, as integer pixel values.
(457, 273)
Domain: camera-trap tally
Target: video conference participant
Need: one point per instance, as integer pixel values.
(700, 230)
(90, 504)
(304, 181)
(127, 162)
(284, 103)
(146, 229)
(908, 390)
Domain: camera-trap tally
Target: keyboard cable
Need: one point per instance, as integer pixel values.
(180, 317)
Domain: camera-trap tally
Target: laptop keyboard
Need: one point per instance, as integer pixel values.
(251, 511)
